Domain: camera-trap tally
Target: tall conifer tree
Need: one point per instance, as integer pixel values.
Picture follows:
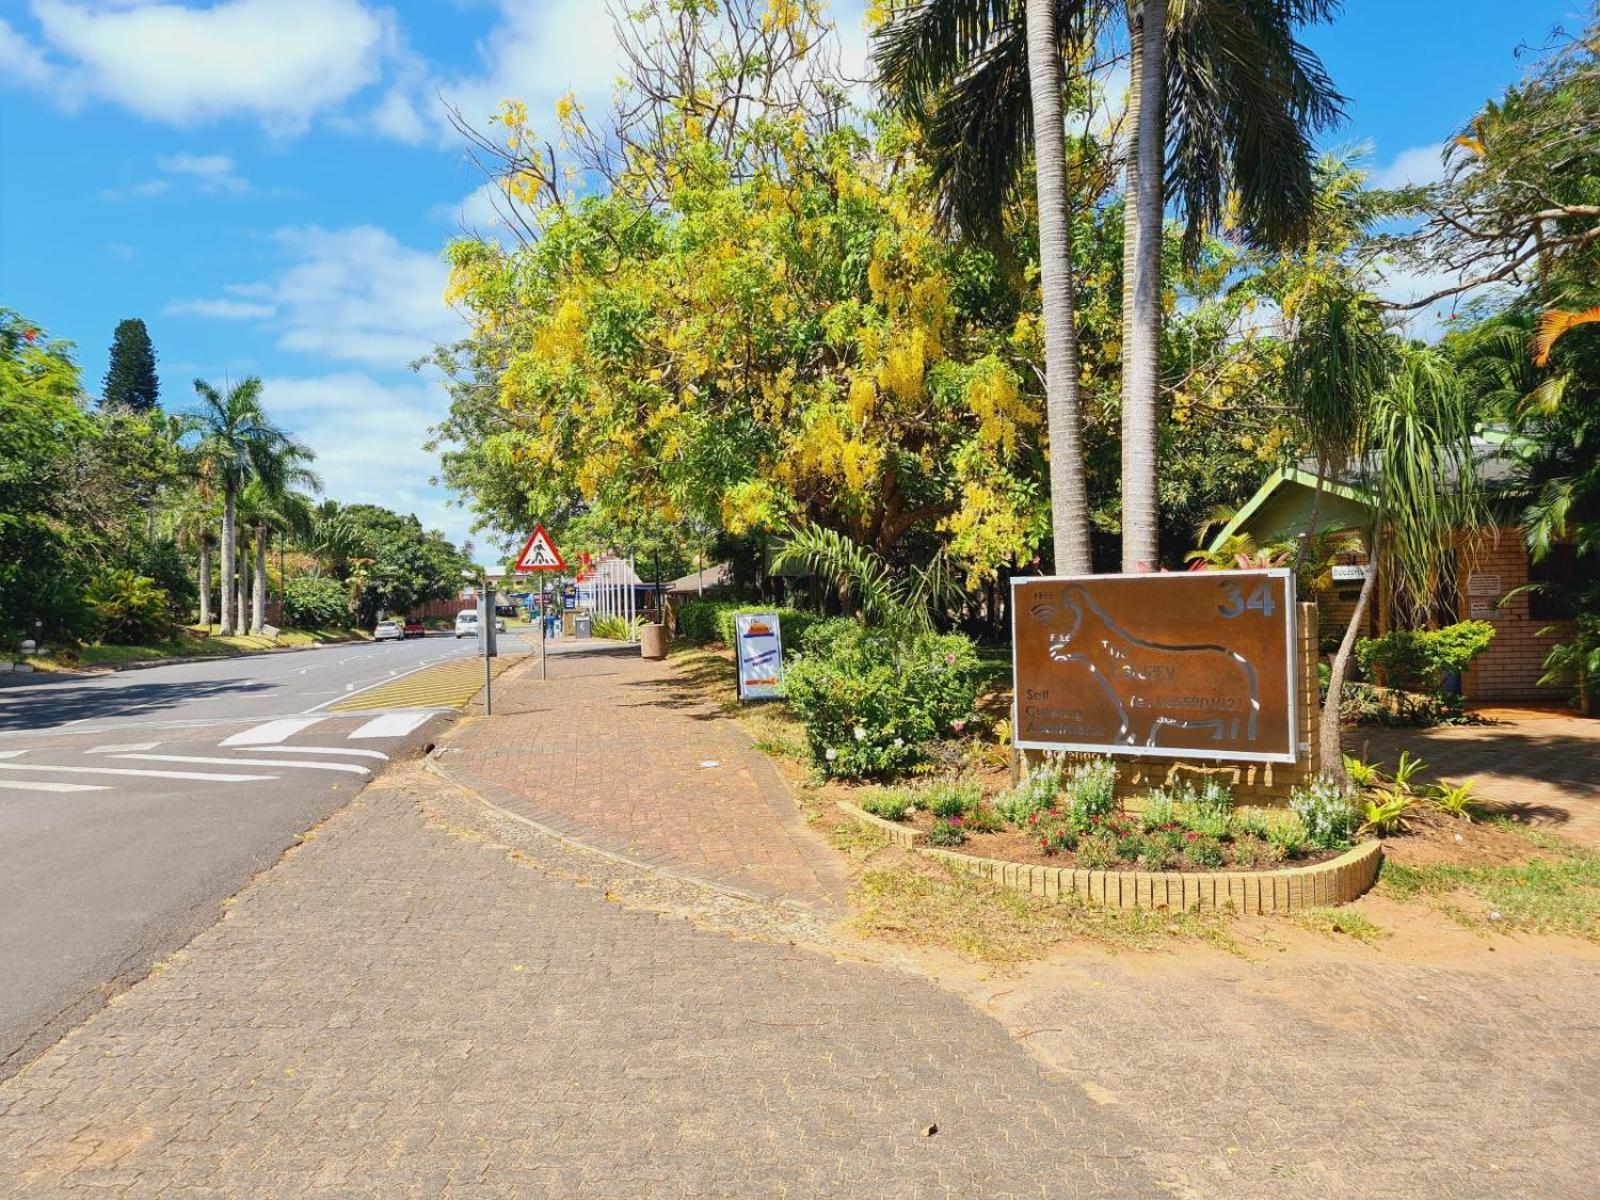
(131, 378)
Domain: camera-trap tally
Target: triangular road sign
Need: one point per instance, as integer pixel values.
(540, 554)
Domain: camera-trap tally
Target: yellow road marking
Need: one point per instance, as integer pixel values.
(447, 685)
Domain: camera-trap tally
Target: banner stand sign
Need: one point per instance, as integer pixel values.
(760, 653)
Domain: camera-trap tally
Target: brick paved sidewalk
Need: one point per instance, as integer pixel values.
(398, 1011)
(615, 752)
(1540, 768)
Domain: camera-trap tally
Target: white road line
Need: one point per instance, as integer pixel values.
(378, 754)
(123, 748)
(390, 725)
(207, 777)
(248, 762)
(12, 753)
(41, 785)
(270, 733)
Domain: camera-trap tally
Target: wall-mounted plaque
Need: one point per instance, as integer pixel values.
(1483, 585)
(1194, 665)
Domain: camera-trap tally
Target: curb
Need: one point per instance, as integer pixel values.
(185, 659)
(1286, 889)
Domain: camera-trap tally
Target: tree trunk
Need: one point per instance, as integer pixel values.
(258, 620)
(1332, 751)
(225, 560)
(244, 581)
(1069, 493)
(1130, 210)
(1141, 352)
(205, 584)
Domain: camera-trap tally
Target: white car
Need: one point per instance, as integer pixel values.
(467, 623)
(388, 631)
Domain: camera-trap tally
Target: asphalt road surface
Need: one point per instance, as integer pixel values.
(132, 804)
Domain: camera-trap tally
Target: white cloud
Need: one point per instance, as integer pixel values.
(279, 61)
(358, 295)
(21, 62)
(368, 438)
(1413, 167)
(138, 191)
(349, 295)
(212, 172)
(220, 310)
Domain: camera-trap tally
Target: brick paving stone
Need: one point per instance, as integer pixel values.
(609, 751)
(395, 1011)
(1540, 768)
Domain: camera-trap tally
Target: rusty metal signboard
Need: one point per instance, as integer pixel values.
(1193, 665)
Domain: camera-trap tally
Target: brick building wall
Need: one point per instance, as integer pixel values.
(1510, 668)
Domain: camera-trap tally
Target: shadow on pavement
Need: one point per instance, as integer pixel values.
(76, 700)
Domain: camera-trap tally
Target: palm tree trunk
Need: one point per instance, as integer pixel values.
(1332, 751)
(1141, 352)
(244, 579)
(226, 561)
(1069, 493)
(1130, 210)
(259, 595)
(205, 583)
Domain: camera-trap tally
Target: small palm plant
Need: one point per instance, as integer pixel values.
(1384, 814)
(1363, 774)
(1457, 799)
(1404, 770)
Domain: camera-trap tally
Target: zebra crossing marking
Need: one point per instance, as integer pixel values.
(391, 725)
(203, 776)
(272, 732)
(45, 785)
(203, 760)
(377, 754)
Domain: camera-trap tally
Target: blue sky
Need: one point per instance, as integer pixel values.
(268, 183)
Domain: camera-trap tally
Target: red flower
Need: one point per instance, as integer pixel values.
(30, 335)
(1193, 837)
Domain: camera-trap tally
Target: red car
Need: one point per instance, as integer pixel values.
(413, 628)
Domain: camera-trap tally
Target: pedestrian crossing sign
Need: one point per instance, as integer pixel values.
(540, 554)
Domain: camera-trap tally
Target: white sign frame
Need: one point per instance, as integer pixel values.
(1292, 676)
(749, 658)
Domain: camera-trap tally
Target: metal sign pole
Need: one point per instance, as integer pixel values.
(544, 632)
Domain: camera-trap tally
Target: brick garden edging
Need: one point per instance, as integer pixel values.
(1286, 889)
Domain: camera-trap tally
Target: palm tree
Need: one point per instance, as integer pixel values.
(1408, 448)
(280, 512)
(335, 539)
(191, 520)
(238, 443)
(990, 74)
(1227, 99)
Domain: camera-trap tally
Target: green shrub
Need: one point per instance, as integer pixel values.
(1091, 789)
(982, 818)
(1328, 812)
(1158, 810)
(1204, 852)
(1097, 851)
(161, 561)
(1414, 659)
(1207, 822)
(315, 602)
(871, 705)
(712, 621)
(949, 798)
(1156, 855)
(128, 609)
(1036, 792)
(889, 803)
(1288, 837)
(947, 833)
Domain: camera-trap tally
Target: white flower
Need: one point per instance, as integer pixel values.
(831, 754)
(899, 742)
(861, 734)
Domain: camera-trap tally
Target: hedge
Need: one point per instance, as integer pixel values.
(712, 621)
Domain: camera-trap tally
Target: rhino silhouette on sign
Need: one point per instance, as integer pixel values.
(1120, 666)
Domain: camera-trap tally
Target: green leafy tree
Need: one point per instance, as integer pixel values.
(131, 380)
(42, 428)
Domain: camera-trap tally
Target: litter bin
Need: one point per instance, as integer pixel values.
(582, 626)
(652, 641)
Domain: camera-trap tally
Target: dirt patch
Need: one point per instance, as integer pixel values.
(1436, 837)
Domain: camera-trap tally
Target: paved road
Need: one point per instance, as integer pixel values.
(132, 804)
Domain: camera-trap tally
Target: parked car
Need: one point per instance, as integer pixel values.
(467, 623)
(414, 628)
(388, 631)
